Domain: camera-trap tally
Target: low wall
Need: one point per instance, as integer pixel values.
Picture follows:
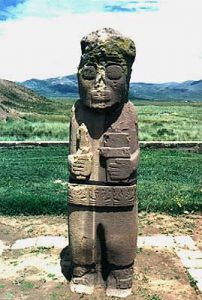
(186, 145)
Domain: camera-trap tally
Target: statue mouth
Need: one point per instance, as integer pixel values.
(100, 96)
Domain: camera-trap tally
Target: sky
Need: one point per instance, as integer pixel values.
(41, 38)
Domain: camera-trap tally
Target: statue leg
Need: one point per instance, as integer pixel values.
(82, 245)
(121, 243)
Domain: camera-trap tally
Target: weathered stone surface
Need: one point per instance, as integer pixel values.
(2, 247)
(191, 258)
(185, 242)
(24, 243)
(41, 241)
(95, 195)
(103, 160)
(156, 241)
(51, 242)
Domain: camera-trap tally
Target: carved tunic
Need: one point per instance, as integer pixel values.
(112, 138)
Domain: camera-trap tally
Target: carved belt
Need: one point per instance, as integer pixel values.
(95, 195)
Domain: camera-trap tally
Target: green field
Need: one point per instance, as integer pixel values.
(44, 121)
(157, 121)
(169, 121)
(34, 181)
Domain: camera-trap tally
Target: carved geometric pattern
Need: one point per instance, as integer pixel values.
(95, 195)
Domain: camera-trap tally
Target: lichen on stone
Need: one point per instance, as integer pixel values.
(107, 45)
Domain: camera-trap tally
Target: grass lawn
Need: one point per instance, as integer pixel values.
(157, 121)
(34, 181)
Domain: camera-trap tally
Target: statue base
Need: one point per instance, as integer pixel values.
(119, 293)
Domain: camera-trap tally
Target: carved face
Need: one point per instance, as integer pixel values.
(102, 85)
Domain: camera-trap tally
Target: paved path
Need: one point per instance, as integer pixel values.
(183, 246)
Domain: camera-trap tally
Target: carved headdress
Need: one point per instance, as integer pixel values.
(107, 44)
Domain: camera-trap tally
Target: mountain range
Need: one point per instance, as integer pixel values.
(15, 99)
(66, 86)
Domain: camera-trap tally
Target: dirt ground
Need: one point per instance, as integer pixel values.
(159, 274)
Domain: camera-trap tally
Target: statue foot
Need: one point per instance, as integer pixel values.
(83, 285)
(119, 282)
(119, 293)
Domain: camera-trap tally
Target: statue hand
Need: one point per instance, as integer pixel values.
(80, 165)
(120, 169)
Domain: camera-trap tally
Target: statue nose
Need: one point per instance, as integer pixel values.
(100, 80)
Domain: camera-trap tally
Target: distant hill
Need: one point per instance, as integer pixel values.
(187, 91)
(67, 87)
(54, 87)
(15, 98)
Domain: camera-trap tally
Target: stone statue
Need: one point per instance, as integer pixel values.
(103, 162)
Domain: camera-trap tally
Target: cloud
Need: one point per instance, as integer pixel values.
(152, 1)
(168, 42)
(133, 6)
(118, 8)
(17, 9)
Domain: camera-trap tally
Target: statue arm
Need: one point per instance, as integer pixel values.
(80, 156)
(135, 155)
(135, 159)
(122, 161)
(72, 129)
(121, 168)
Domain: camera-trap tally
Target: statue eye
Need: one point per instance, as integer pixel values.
(114, 72)
(89, 73)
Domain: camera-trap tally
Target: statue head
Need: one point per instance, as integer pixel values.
(105, 68)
